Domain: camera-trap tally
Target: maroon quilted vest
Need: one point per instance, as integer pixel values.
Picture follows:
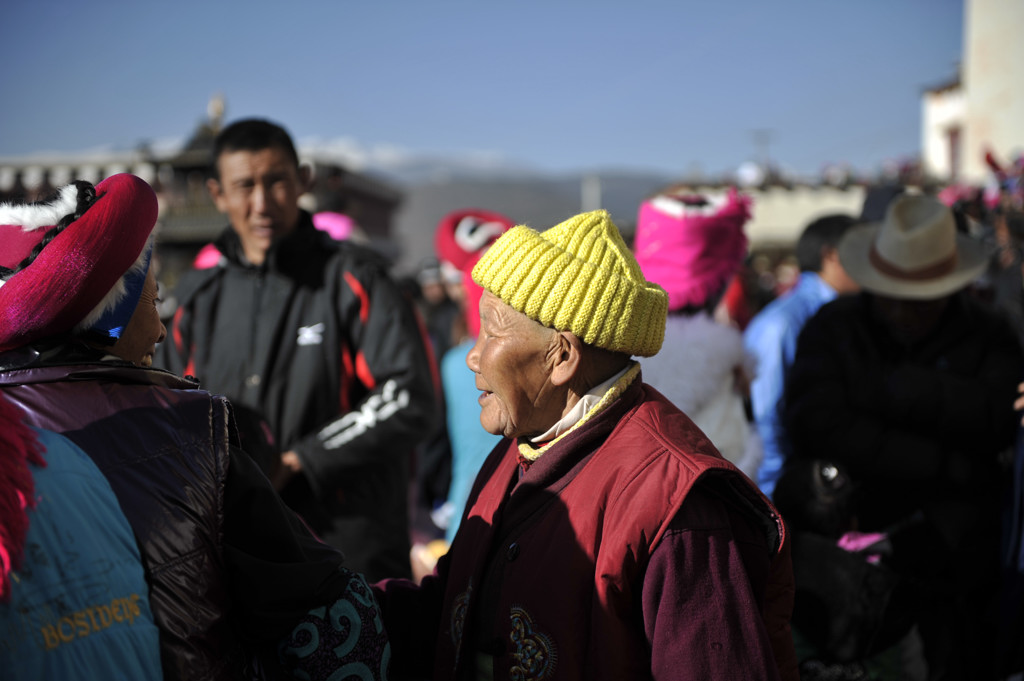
(546, 579)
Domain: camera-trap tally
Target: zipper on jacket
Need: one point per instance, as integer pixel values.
(253, 379)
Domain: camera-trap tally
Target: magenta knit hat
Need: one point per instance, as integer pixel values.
(691, 245)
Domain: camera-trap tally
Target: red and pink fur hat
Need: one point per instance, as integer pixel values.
(84, 278)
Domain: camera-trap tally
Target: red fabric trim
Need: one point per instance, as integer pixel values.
(190, 365)
(363, 371)
(433, 360)
(364, 299)
(176, 328)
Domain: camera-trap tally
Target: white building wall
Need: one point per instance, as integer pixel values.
(780, 215)
(993, 82)
(941, 111)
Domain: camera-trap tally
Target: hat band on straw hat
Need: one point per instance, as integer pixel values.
(936, 271)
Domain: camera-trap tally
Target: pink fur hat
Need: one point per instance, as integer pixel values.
(86, 277)
(692, 245)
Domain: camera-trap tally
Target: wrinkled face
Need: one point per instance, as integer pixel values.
(144, 330)
(259, 192)
(909, 321)
(511, 360)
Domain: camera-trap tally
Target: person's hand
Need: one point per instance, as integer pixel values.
(1019, 402)
(424, 558)
(290, 465)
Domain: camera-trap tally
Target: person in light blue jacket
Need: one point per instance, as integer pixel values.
(461, 238)
(75, 603)
(772, 334)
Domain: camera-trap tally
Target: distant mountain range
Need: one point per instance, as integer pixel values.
(433, 185)
(529, 198)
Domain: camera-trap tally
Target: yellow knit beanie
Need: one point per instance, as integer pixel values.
(578, 276)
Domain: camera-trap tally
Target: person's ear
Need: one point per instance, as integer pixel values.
(219, 200)
(566, 357)
(828, 253)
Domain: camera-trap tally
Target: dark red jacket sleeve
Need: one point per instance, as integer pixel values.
(714, 599)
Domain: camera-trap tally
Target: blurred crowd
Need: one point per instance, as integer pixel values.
(549, 453)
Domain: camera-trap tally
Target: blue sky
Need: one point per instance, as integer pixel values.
(557, 85)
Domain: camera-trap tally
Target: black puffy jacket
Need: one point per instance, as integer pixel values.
(230, 569)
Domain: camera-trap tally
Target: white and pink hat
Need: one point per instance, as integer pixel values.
(692, 245)
(461, 238)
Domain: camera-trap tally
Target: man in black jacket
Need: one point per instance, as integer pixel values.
(315, 335)
(909, 385)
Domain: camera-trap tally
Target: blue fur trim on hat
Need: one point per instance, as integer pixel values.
(111, 323)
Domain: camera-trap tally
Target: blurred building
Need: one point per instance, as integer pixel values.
(188, 218)
(981, 109)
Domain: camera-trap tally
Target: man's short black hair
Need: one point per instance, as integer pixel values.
(822, 232)
(252, 134)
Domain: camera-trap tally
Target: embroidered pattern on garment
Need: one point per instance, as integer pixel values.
(345, 640)
(534, 655)
(89, 621)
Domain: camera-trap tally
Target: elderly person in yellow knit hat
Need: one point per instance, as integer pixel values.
(605, 537)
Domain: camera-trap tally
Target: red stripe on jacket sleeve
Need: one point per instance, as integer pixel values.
(176, 329)
(432, 358)
(363, 371)
(364, 299)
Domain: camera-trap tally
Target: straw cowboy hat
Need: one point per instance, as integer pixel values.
(914, 253)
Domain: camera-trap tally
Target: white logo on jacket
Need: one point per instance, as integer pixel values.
(311, 335)
(376, 408)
